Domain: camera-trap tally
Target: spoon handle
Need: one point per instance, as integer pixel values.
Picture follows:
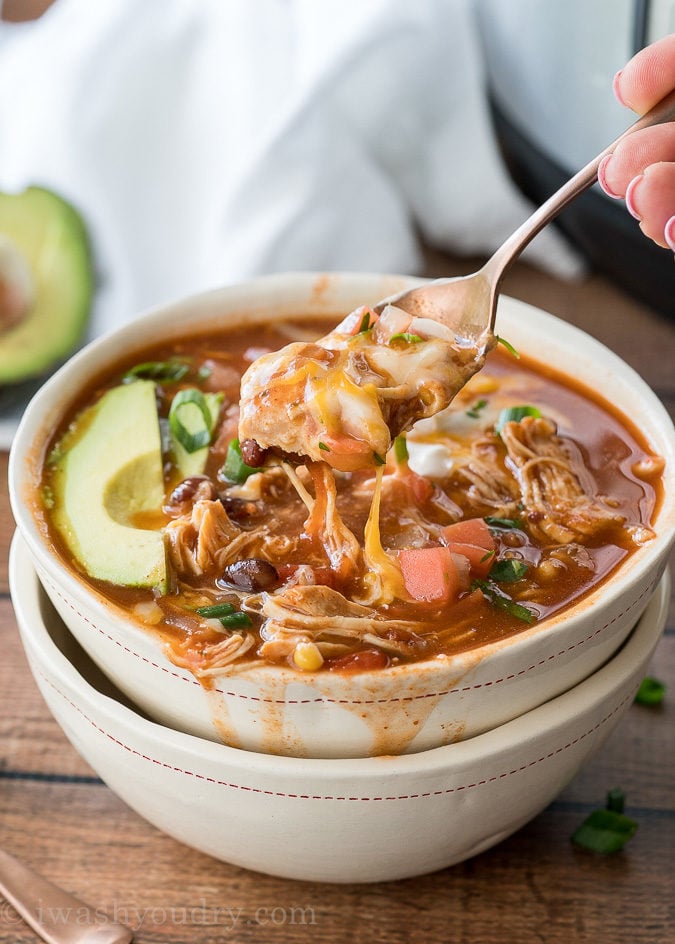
(53, 914)
(497, 265)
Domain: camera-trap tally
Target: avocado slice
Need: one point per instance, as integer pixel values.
(46, 282)
(108, 485)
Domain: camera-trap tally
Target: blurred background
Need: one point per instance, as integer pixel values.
(206, 141)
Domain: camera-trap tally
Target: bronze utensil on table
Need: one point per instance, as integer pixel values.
(56, 916)
(467, 304)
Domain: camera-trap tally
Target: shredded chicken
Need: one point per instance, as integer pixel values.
(326, 529)
(206, 540)
(323, 616)
(558, 507)
(195, 539)
(489, 483)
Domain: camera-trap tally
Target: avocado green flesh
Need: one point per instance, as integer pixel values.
(107, 471)
(51, 236)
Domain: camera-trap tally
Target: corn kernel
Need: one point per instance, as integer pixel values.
(480, 384)
(307, 657)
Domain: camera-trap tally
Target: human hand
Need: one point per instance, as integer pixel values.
(642, 167)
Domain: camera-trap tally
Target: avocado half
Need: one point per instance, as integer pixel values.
(46, 282)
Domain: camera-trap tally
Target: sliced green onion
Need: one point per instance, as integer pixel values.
(196, 432)
(378, 459)
(504, 602)
(508, 570)
(650, 692)
(204, 372)
(324, 447)
(170, 371)
(236, 620)
(475, 410)
(509, 347)
(487, 556)
(216, 610)
(365, 323)
(235, 469)
(495, 522)
(606, 831)
(616, 800)
(407, 337)
(401, 449)
(514, 414)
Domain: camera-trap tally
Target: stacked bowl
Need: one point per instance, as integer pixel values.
(364, 776)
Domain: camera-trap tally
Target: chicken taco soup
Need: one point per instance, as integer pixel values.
(341, 500)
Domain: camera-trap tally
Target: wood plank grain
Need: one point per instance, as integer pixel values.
(6, 524)
(534, 887)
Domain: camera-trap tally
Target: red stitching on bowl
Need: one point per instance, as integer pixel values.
(347, 701)
(306, 796)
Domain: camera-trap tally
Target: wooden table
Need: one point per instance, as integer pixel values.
(534, 887)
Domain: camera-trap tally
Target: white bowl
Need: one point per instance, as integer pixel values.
(400, 709)
(352, 820)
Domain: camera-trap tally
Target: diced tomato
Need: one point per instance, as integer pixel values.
(362, 661)
(430, 573)
(422, 488)
(470, 531)
(473, 539)
(346, 453)
(352, 323)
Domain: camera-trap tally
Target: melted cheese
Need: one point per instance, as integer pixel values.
(383, 579)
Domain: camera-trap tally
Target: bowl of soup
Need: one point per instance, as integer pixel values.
(496, 555)
(367, 819)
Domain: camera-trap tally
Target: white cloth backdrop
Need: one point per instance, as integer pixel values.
(209, 140)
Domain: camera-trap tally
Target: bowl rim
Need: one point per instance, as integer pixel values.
(258, 291)
(588, 695)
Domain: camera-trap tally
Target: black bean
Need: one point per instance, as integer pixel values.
(241, 508)
(252, 453)
(187, 492)
(252, 574)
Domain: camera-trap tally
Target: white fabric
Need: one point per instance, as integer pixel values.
(205, 141)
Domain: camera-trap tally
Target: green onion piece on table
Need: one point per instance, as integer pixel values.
(608, 830)
(650, 692)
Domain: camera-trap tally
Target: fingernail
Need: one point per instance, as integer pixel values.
(602, 178)
(630, 196)
(617, 91)
(669, 233)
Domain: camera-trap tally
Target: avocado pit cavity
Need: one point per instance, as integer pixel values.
(17, 288)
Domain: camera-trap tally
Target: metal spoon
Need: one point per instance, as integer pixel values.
(468, 304)
(54, 915)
